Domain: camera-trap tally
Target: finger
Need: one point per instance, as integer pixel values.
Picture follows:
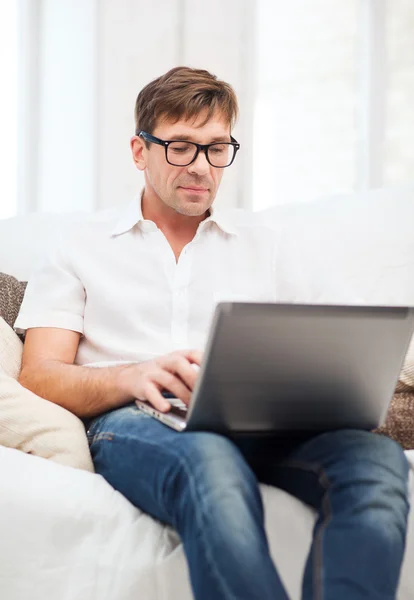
(169, 381)
(193, 356)
(184, 370)
(155, 398)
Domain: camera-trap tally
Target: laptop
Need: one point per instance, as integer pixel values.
(280, 368)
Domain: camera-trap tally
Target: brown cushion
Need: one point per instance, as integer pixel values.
(399, 424)
(11, 296)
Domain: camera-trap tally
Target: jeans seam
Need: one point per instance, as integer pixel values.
(109, 436)
(102, 435)
(317, 561)
(199, 516)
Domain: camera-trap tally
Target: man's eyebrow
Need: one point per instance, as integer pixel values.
(222, 138)
(188, 138)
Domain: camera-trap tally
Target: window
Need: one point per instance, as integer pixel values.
(335, 87)
(399, 96)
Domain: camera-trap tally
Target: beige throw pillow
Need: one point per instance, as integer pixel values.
(33, 424)
(11, 350)
(407, 373)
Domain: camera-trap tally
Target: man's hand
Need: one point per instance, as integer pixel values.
(173, 372)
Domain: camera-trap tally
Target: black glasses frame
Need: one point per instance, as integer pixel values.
(199, 148)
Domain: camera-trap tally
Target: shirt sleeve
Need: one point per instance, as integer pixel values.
(55, 296)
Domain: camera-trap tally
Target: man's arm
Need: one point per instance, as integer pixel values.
(49, 372)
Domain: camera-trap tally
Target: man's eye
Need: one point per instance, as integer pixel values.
(218, 149)
(179, 148)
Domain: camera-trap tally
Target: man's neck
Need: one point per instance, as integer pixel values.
(168, 220)
(178, 229)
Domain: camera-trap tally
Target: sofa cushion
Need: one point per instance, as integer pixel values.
(82, 540)
(31, 423)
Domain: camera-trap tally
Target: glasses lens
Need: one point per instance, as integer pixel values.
(181, 153)
(220, 155)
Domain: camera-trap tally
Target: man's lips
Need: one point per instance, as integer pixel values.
(194, 189)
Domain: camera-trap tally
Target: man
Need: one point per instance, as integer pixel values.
(133, 294)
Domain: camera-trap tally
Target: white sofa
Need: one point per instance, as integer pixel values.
(68, 535)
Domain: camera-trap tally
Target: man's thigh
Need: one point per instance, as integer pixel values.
(138, 455)
(152, 464)
(135, 454)
(307, 466)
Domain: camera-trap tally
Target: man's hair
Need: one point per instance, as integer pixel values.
(184, 93)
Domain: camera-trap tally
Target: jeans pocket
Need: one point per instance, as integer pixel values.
(114, 421)
(96, 426)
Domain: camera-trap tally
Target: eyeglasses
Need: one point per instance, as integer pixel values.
(181, 153)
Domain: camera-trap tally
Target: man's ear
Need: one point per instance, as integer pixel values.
(139, 151)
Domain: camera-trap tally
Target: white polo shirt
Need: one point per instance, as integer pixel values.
(114, 279)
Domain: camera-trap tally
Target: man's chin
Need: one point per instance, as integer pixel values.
(193, 207)
(192, 210)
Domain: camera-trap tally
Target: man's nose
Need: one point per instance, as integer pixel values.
(200, 165)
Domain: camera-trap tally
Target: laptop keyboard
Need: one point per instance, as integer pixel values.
(178, 407)
(177, 403)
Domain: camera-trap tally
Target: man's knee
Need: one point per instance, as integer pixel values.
(368, 476)
(367, 447)
(212, 460)
(214, 485)
(212, 476)
(362, 466)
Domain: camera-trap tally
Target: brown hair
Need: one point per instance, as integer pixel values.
(183, 93)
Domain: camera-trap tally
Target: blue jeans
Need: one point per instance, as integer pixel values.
(206, 487)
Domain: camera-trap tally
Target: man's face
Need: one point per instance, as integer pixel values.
(189, 190)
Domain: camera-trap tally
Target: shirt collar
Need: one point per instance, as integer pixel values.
(132, 215)
(222, 220)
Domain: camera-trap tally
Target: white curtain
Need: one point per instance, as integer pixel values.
(335, 90)
(81, 65)
(8, 109)
(399, 92)
(325, 90)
